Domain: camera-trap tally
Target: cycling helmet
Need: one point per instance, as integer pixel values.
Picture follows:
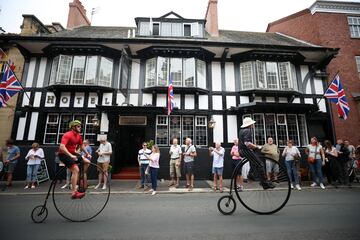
(74, 123)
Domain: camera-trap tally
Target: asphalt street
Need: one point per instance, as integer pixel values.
(309, 214)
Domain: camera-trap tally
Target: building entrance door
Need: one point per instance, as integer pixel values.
(129, 141)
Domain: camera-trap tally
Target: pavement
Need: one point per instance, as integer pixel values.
(130, 187)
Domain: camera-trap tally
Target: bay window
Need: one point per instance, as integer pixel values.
(81, 70)
(267, 75)
(184, 72)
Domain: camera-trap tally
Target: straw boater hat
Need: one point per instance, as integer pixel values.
(247, 122)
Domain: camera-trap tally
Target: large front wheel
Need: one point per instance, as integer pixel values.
(267, 189)
(88, 207)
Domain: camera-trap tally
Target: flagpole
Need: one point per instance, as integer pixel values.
(327, 87)
(6, 63)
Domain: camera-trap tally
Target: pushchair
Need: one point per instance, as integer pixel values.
(354, 170)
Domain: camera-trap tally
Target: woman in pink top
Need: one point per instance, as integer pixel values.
(154, 167)
(236, 158)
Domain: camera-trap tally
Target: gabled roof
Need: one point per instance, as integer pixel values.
(225, 36)
(172, 13)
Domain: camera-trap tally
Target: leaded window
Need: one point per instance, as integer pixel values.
(271, 75)
(293, 130)
(200, 73)
(175, 127)
(181, 127)
(188, 127)
(270, 126)
(176, 71)
(105, 73)
(280, 127)
(64, 69)
(51, 128)
(78, 70)
(246, 74)
(184, 72)
(58, 124)
(81, 70)
(91, 69)
(162, 69)
(162, 130)
(151, 72)
(189, 72)
(201, 130)
(267, 75)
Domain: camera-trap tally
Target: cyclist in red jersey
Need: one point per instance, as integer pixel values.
(70, 141)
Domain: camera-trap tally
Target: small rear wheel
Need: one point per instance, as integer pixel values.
(226, 205)
(39, 214)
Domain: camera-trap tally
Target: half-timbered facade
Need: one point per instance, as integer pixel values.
(119, 75)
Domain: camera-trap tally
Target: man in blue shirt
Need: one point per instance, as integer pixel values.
(11, 160)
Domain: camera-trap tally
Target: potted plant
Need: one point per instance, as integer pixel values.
(150, 143)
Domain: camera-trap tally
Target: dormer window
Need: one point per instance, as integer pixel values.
(170, 25)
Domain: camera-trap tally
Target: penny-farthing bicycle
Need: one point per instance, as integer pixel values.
(75, 210)
(258, 197)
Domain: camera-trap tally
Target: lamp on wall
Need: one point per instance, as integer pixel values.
(95, 121)
(211, 123)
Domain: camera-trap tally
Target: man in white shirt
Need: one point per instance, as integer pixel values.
(143, 163)
(218, 164)
(104, 151)
(175, 159)
(189, 155)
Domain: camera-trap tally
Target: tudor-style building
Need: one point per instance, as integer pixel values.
(119, 75)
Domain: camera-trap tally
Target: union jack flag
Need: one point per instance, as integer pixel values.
(335, 93)
(9, 85)
(171, 101)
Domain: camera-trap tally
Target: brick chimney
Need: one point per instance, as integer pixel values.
(77, 15)
(211, 18)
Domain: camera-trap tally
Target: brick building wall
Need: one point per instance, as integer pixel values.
(331, 30)
(7, 113)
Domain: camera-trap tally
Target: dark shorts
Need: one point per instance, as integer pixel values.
(189, 167)
(11, 166)
(68, 161)
(235, 163)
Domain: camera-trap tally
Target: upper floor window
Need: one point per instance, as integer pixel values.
(357, 59)
(171, 29)
(267, 75)
(354, 24)
(184, 72)
(81, 70)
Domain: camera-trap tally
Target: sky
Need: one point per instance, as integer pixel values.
(241, 15)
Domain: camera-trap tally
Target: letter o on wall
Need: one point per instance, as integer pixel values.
(64, 100)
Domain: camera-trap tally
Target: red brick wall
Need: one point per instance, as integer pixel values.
(331, 30)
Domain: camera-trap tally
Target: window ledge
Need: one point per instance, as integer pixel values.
(68, 87)
(270, 93)
(164, 89)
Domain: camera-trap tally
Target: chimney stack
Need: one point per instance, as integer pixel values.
(77, 15)
(211, 18)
